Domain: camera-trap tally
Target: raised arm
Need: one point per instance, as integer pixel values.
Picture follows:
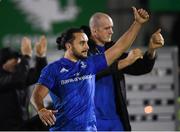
(19, 75)
(41, 51)
(40, 60)
(156, 41)
(125, 41)
(144, 65)
(130, 59)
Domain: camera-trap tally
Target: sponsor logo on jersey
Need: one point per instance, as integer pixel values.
(76, 79)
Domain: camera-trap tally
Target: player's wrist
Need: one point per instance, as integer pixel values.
(138, 24)
(41, 55)
(40, 110)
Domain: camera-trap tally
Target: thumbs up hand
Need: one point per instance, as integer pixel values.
(156, 40)
(141, 16)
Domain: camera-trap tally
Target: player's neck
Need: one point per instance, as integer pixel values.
(69, 56)
(97, 41)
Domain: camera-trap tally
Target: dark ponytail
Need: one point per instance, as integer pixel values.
(67, 37)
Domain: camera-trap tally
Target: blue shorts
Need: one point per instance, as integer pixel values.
(74, 126)
(109, 125)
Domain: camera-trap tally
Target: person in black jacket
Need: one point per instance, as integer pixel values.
(110, 93)
(15, 77)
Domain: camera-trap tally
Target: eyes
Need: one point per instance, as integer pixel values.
(82, 43)
(108, 28)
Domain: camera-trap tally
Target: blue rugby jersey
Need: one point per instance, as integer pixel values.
(104, 95)
(72, 86)
(105, 107)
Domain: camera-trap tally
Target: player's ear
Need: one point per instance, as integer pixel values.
(68, 45)
(94, 30)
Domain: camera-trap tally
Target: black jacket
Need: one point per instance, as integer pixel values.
(141, 66)
(14, 98)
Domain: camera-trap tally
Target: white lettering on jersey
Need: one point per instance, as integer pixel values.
(76, 79)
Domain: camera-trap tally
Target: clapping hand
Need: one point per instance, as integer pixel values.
(26, 48)
(41, 47)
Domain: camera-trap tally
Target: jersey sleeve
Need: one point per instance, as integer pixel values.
(97, 63)
(47, 77)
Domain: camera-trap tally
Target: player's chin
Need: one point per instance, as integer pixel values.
(84, 55)
(108, 39)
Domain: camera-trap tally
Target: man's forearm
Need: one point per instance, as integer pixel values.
(151, 53)
(123, 63)
(37, 102)
(123, 43)
(37, 97)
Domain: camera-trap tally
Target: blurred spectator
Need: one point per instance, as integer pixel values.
(175, 33)
(176, 40)
(15, 77)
